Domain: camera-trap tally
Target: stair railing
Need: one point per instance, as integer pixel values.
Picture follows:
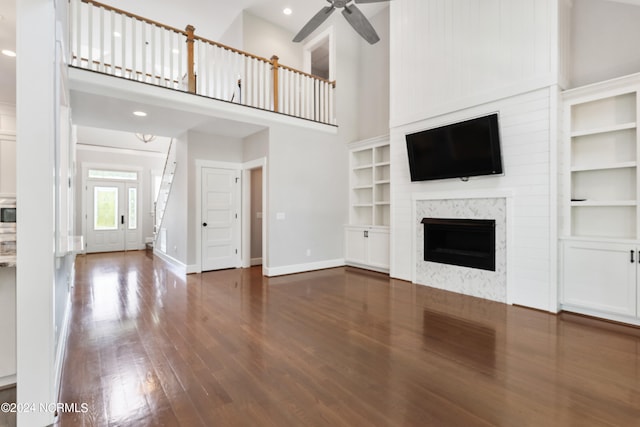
(122, 44)
(166, 183)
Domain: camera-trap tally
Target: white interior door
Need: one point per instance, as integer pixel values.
(112, 216)
(220, 218)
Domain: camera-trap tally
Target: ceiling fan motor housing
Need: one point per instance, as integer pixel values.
(340, 3)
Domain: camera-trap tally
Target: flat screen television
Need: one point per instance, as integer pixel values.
(459, 150)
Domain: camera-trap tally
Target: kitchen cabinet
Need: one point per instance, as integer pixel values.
(7, 326)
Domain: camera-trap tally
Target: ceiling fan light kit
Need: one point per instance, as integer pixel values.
(351, 13)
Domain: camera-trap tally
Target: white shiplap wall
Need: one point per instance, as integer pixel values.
(447, 55)
(528, 152)
(453, 60)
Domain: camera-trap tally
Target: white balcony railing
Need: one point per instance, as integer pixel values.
(111, 41)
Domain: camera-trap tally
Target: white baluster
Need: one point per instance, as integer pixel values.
(134, 50)
(172, 37)
(90, 42)
(181, 59)
(123, 46)
(144, 47)
(151, 48)
(261, 83)
(112, 47)
(101, 30)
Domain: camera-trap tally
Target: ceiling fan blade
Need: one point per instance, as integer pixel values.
(360, 23)
(314, 23)
(369, 1)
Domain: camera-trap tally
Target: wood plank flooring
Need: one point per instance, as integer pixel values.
(8, 418)
(339, 347)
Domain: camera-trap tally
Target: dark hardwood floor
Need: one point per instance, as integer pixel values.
(339, 347)
(8, 417)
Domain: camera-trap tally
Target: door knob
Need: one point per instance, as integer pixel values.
(204, 224)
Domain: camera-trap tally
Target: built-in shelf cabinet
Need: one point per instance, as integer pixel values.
(600, 208)
(367, 234)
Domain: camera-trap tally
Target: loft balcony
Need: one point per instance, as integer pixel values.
(111, 41)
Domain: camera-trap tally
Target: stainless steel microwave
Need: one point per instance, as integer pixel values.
(7, 210)
(7, 214)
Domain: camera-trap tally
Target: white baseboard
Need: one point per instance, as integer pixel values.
(177, 265)
(62, 345)
(8, 381)
(193, 268)
(368, 267)
(301, 268)
(256, 261)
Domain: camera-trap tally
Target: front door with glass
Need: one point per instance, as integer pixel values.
(112, 216)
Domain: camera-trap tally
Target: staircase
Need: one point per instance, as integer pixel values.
(163, 194)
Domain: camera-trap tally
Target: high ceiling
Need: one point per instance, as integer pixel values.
(210, 17)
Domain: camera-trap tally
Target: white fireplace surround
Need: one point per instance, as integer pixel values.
(503, 286)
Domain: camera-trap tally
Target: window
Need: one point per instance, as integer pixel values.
(105, 209)
(133, 208)
(118, 175)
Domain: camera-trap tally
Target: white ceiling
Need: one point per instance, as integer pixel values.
(211, 19)
(106, 112)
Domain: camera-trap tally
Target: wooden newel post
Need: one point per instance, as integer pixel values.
(191, 71)
(274, 62)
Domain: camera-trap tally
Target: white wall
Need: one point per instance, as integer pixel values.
(373, 69)
(457, 60)
(451, 54)
(525, 131)
(205, 147)
(256, 146)
(265, 39)
(233, 35)
(604, 41)
(175, 219)
(42, 278)
(307, 182)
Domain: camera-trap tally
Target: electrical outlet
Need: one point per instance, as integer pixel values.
(308, 252)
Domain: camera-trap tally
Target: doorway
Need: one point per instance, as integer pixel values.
(319, 55)
(255, 189)
(112, 216)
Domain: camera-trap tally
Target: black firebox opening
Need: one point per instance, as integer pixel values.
(463, 242)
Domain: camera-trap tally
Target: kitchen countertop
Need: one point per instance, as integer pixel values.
(7, 250)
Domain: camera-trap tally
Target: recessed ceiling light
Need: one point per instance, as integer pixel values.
(287, 11)
(8, 52)
(176, 51)
(140, 113)
(117, 34)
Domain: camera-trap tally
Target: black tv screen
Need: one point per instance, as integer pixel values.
(459, 150)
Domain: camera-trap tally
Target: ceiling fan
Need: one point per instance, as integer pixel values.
(352, 14)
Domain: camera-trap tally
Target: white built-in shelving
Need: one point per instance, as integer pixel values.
(601, 213)
(367, 234)
(370, 184)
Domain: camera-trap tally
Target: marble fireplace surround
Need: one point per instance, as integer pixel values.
(472, 204)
